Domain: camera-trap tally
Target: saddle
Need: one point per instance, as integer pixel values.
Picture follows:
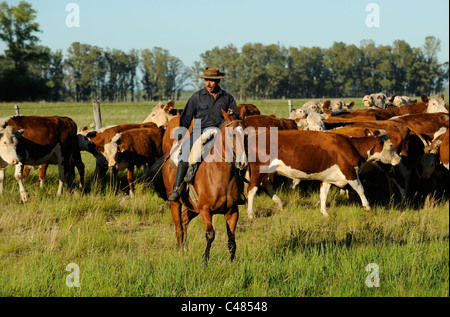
(200, 149)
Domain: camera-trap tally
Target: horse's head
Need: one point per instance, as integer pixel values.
(233, 125)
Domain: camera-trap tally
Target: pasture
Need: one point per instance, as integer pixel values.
(127, 247)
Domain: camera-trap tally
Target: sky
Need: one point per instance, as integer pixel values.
(190, 27)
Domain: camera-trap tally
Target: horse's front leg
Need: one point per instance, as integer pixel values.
(175, 209)
(232, 219)
(186, 218)
(210, 234)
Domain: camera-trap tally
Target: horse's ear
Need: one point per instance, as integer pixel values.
(242, 113)
(225, 115)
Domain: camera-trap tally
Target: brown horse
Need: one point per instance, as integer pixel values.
(217, 184)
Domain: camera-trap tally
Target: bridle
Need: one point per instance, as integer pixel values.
(234, 153)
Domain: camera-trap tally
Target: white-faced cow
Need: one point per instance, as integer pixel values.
(161, 114)
(135, 147)
(327, 157)
(8, 150)
(94, 141)
(47, 140)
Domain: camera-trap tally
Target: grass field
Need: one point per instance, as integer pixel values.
(127, 247)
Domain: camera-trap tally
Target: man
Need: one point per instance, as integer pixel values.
(204, 105)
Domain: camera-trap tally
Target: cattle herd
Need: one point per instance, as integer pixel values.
(406, 141)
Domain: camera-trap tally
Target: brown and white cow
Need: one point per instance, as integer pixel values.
(47, 140)
(436, 153)
(330, 158)
(135, 147)
(8, 150)
(338, 105)
(94, 141)
(375, 101)
(161, 114)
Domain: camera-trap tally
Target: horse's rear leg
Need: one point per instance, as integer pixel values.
(210, 234)
(231, 226)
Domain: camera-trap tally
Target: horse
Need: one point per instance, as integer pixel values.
(218, 185)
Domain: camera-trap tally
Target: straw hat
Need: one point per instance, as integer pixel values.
(212, 72)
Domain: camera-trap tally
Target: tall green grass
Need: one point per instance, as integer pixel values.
(127, 247)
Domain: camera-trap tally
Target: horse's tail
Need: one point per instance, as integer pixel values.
(154, 175)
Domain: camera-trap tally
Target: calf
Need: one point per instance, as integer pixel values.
(94, 141)
(135, 147)
(47, 140)
(330, 158)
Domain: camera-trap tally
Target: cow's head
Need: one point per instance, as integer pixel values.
(436, 104)
(366, 101)
(161, 114)
(314, 122)
(378, 100)
(430, 159)
(8, 145)
(111, 151)
(314, 105)
(384, 150)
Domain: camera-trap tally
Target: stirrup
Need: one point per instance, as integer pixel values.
(175, 195)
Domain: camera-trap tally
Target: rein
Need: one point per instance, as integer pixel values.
(234, 154)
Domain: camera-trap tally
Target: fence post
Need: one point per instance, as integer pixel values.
(16, 108)
(291, 106)
(97, 114)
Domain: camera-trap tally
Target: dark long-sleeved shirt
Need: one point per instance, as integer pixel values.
(203, 106)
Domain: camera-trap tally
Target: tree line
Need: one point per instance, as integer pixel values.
(29, 71)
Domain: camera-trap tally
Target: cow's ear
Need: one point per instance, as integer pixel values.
(368, 132)
(350, 105)
(170, 104)
(20, 132)
(326, 105)
(392, 98)
(442, 96)
(424, 98)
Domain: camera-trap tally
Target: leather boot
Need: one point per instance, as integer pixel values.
(181, 173)
(191, 173)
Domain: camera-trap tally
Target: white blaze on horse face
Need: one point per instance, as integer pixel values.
(234, 146)
(8, 145)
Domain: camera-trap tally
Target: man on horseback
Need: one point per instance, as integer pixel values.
(204, 105)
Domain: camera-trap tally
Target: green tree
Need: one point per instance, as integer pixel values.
(18, 30)
(85, 69)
